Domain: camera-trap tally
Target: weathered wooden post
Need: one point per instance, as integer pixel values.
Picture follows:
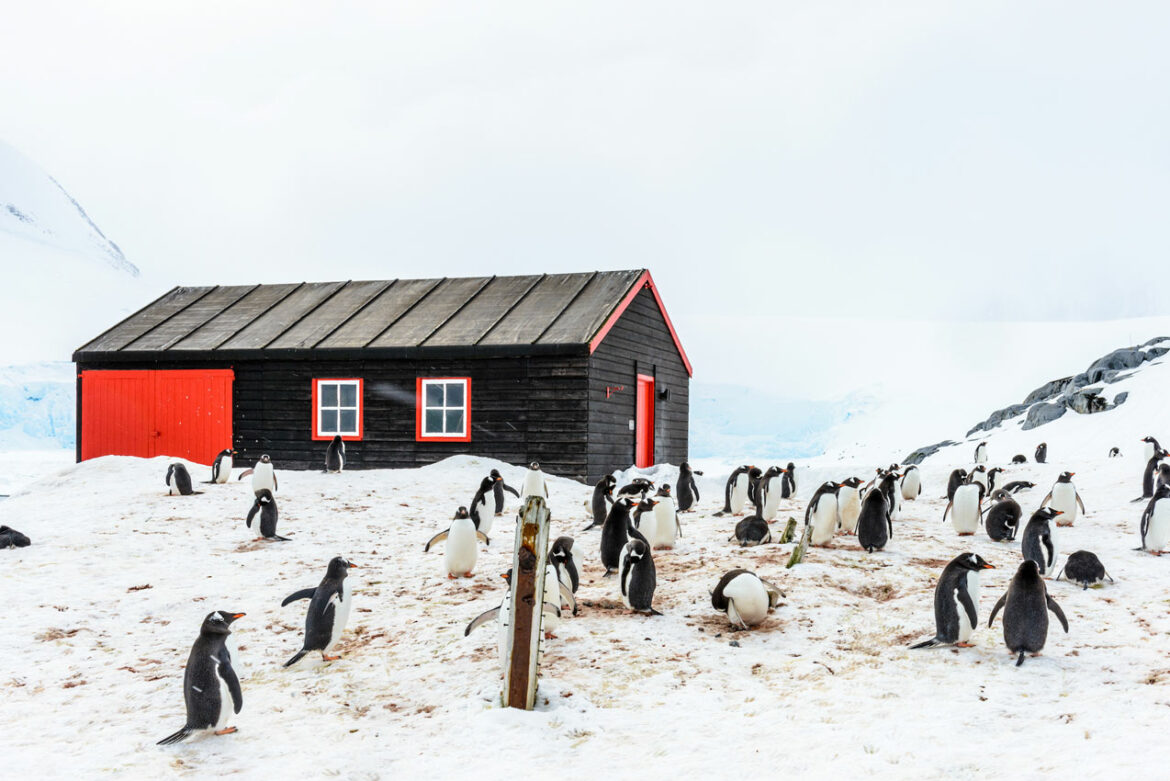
(529, 564)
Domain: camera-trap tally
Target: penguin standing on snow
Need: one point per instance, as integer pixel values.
(911, 483)
(1003, 519)
(1042, 453)
(957, 478)
(498, 488)
(874, 526)
(263, 475)
(221, 467)
(479, 508)
(1151, 469)
(735, 493)
(328, 612)
(979, 475)
(1039, 543)
(1114, 452)
(178, 480)
(688, 489)
(11, 538)
(617, 530)
(335, 455)
(981, 453)
(770, 492)
(1155, 524)
(849, 505)
(956, 602)
(1151, 449)
(638, 577)
(788, 482)
(745, 598)
(462, 550)
(265, 504)
(754, 477)
(1065, 499)
(211, 687)
(1084, 569)
(1019, 458)
(666, 525)
(966, 509)
(534, 483)
(1025, 612)
(821, 514)
(602, 499)
(561, 556)
(502, 615)
(992, 476)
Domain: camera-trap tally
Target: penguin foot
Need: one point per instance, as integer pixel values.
(549, 636)
(450, 576)
(228, 731)
(499, 515)
(964, 645)
(468, 575)
(329, 658)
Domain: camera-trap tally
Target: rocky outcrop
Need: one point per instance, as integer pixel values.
(1039, 414)
(923, 453)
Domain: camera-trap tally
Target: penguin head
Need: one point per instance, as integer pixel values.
(264, 496)
(829, 487)
(1163, 491)
(485, 484)
(1029, 570)
(1046, 513)
(339, 567)
(972, 561)
(562, 548)
(755, 472)
(265, 459)
(495, 474)
(1065, 477)
(980, 468)
(534, 466)
(852, 482)
(790, 466)
(647, 504)
(461, 513)
(219, 622)
(636, 550)
(1149, 440)
(610, 481)
(773, 471)
(1001, 495)
(994, 471)
(664, 490)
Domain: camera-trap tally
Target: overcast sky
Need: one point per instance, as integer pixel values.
(991, 160)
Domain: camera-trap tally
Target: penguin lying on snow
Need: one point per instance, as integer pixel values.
(602, 498)
(335, 455)
(1003, 519)
(328, 613)
(462, 550)
(688, 489)
(179, 480)
(956, 602)
(221, 468)
(1084, 569)
(11, 538)
(1025, 616)
(265, 504)
(1019, 458)
(638, 577)
(753, 530)
(637, 489)
(211, 688)
(745, 597)
(1015, 486)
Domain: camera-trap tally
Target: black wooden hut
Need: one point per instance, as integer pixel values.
(581, 372)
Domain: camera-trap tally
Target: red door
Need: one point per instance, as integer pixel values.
(644, 424)
(183, 413)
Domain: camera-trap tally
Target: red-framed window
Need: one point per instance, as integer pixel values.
(338, 408)
(442, 409)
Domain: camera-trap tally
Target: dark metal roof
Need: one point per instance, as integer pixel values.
(531, 314)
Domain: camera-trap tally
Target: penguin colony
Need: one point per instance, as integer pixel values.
(642, 522)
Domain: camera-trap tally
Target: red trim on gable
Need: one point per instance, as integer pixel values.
(418, 411)
(644, 281)
(361, 416)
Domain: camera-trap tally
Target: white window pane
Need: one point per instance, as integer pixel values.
(454, 421)
(328, 394)
(349, 395)
(349, 421)
(434, 394)
(454, 394)
(328, 421)
(433, 422)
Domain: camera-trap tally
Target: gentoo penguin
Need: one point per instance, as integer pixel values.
(211, 688)
(752, 530)
(638, 577)
(754, 476)
(735, 493)
(893, 495)
(502, 615)
(335, 455)
(1151, 470)
(1025, 612)
(874, 526)
(911, 483)
(221, 467)
(561, 556)
(956, 602)
(770, 492)
(1042, 453)
(966, 509)
(981, 453)
(1039, 543)
(265, 504)
(263, 475)
(328, 611)
(1114, 452)
(979, 475)
(1151, 449)
(1003, 519)
(992, 477)
(788, 482)
(849, 505)
(498, 488)
(1163, 476)
(1155, 523)
(957, 478)
(178, 480)
(1064, 498)
(821, 514)
(462, 549)
(479, 507)
(11, 538)
(1084, 569)
(1015, 486)
(666, 525)
(1019, 458)
(688, 489)
(745, 597)
(636, 489)
(615, 532)
(534, 483)
(602, 499)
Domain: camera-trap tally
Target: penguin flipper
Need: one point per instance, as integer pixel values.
(733, 615)
(949, 504)
(232, 680)
(996, 609)
(965, 600)
(1080, 504)
(442, 536)
(175, 738)
(245, 473)
(1061, 572)
(1047, 499)
(252, 513)
(297, 657)
(482, 619)
(1055, 608)
(567, 596)
(305, 593)
(484, 537)
(773, 591)
(511, 490)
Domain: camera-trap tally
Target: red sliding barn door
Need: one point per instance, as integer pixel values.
(184, 413)
(644, 423)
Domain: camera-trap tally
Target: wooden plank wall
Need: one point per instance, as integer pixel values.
(639, 343)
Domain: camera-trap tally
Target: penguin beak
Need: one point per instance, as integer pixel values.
(1072, 474)
(352, 565)
(498, 479)
(1059, 512)
(238, 615)
(988, 566)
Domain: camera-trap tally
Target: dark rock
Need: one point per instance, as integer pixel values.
(1120, 359)
(1120, 398)
(1102, 375)
(999, 416)
(1156, 352)
(923, 453)
(1040, 414)
(1047, 391)
(1085, 402)
(1157, 339)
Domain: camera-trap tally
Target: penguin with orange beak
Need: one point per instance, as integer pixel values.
(329, 607)
(211, 687)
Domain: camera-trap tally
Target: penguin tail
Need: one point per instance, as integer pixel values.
(933, 642)
(179, 736)
(1020, 660)
(278, 538)
(296, 658)
(590, 526)
(653, 612)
